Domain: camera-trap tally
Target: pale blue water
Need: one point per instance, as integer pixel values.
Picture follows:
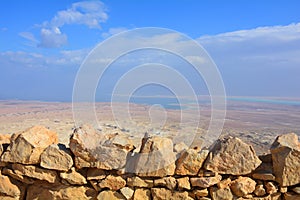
(262, 100)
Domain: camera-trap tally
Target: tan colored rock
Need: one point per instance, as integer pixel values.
(7, 188)
(200, 193)
(42, 191)
(26, 147)
(296, 189)
(94, 149)
(17, 175)
(263, 176)
(232, 156)
(113, 183)
(95, 174)
(5, 138)
(225, 183)
(127, 192)
(242, 186)
(123, 142)
(259, 190)
(190, 162)
(163, 193)
(220, 194)
(180, 147)
(142, 194)
(73, 177)
(54, 158)
(283, 189)
(206, 173)
(291, 196)
(110, 195)
(36, 172)
(286, 159)
(138, 182)
(155, 159)
(184, 183)
(271, 188)
(205, 182)
(168, 182)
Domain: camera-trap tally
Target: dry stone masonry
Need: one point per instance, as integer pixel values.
(108, 166)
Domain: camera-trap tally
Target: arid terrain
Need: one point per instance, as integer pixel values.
(256, 123)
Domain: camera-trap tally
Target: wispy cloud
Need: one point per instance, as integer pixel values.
(87, 13)
(113, 31)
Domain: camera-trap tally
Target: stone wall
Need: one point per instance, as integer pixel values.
(108, 166)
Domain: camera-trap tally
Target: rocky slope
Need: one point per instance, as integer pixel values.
(99, 165)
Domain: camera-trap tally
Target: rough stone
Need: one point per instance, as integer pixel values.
(73, 177)
(17, 175)
(205, 182)
(190, 162)
(142, 194)
(225, 183)
(220, 194)
(138, 182)
(271, 188)
(26, 147)
(259, 190)
(232, 156)
(35, 192)
(201, 193)
(7, 188)
(242, 186)
(54, 158)
(93, 149)
(296, 190)
(95, 174)
(127, 192)
(155, 159)
(35, 172)
(113, 183)
(184, 183)
(110, 195)
(263, 176)
(286, 159)
(168, 182)
(162, 193)
(291, 196)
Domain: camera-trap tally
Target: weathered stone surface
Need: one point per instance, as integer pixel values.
(242, 186)
(286, 159)
(7, 188)
(162, 193)
(26, 147)
(54, 158)
(205, 182)
(232, 156)
(95, 174)
(220, 194)
(138, 182)
(35, 172)
(168, 182)
(184, 183)
(259, 190)
(41, 192)
(179, 148)
(142, 194)
(93, 149)
(201, 193)
(225, 183)
(263, 176)
(17, 175)
(155, 159)
(296, 190)
(271, 188)
(127, 192)
(190, 162)
(113, 183)
(110, 195)
(73, 177)
(291, 196)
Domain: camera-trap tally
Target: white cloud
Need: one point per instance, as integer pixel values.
(88, 13)
(3, 29)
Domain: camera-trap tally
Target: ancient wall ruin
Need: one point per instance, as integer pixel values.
(108, 166)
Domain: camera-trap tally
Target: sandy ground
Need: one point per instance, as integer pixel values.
(255, 123)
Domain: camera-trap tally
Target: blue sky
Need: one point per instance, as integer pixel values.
(255, 44)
